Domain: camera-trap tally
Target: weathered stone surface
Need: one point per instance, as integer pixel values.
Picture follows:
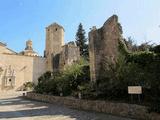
(69, 54)
(54, 43)
(57, 54)
(120, 109)
(103, 46)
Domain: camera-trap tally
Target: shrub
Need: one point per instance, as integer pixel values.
(87, 90)
(155, 49)
(131, 69)
(46, 83)
(28, 86)
(65, 81)
(77, 74)
(154, 106)
(63, 85)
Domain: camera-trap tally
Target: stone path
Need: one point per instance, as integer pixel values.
(13, 107)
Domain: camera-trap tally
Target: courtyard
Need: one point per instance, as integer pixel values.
(79, 60)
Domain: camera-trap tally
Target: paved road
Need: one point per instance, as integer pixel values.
(13, 107)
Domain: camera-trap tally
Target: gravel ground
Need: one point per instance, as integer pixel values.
(13, 107)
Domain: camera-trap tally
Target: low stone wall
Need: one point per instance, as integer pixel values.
(120, 109)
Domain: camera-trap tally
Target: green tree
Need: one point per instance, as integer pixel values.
(130, 43)
(81, 41)
(155, 49)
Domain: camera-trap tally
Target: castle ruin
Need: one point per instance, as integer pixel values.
(27, 66)
(103, 46)
(58, 54)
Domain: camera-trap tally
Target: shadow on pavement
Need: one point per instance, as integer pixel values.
(18, 107)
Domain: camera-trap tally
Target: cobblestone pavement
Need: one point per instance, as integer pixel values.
(13, 107)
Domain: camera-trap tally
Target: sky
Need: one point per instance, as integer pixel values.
(27, 19)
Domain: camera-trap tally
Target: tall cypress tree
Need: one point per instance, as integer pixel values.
(81, 41)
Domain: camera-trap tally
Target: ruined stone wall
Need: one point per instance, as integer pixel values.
(69, 54)
(20, 69)
(103, 46)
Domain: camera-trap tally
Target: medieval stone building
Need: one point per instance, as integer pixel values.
(26, 66)
(104, 46)
(19, 68)
(58, 55)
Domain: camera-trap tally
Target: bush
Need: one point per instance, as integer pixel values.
(66, 81)
(28, 86)
(47, 83)
(87, 90)
(63, 85)
(154, 106)
(131, 69)
(155, 49)
(77, 74)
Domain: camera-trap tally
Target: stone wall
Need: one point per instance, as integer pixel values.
(103, 46)
(18, 69)
(69, 54)
(120, 109)
(57, 54)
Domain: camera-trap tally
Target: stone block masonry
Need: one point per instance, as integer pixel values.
(54, 43)
(103, 46)
(58, 55)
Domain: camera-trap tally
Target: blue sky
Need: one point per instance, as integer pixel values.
(26, 19)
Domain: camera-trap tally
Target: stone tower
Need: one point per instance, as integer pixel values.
(29, 49)
(54, 43)
(28, 45)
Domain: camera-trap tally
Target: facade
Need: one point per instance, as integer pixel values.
(26, 66)
(17, 69)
